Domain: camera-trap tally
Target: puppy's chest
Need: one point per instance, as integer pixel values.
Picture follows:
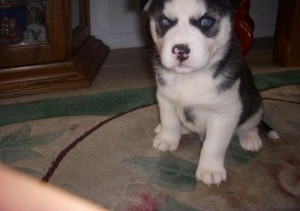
(196, 98)
(187, 90)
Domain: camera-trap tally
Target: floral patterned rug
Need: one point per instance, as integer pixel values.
(108, 157)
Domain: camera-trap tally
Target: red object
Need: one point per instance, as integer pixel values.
(244, 26)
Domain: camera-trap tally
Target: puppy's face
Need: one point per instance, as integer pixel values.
(190, 35)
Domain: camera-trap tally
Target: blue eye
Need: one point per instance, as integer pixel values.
(206, 21)
(165, 22)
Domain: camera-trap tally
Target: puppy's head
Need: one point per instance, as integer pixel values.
(190, 35)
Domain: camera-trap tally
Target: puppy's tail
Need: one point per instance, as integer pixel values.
(266, 130)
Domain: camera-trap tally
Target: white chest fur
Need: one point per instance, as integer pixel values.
(199, 91)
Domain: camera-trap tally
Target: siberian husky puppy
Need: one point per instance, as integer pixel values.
(204, 84)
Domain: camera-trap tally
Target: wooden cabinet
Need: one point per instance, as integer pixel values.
(66, 56)
(287, 35)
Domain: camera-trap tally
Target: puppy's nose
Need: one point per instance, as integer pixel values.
(181, 51)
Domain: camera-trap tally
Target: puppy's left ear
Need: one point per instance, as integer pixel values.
(145, 4)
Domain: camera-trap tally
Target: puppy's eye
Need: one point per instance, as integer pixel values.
(164, 22)
(206, 25)
(206, 21)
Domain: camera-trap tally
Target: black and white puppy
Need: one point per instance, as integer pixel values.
(204, 84)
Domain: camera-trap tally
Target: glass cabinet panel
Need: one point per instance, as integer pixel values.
(75, 13)
(22, 21)
(33, 32)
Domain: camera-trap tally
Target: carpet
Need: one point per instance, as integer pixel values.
(100, 148)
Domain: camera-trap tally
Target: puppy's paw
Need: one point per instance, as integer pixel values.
(165, 144)
(250, 141)
(157, 129)
(211, 176)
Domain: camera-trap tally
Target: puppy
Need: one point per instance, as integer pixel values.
(204, 83)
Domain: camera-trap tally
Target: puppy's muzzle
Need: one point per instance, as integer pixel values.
(182, 52)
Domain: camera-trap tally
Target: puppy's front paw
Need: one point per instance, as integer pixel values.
(157, 129)
(165, 144)
(211, 176)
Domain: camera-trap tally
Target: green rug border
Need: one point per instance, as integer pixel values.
(113, 103)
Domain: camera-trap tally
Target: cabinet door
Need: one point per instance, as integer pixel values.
(55, 46)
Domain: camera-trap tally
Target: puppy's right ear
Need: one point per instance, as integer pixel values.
(145, 5)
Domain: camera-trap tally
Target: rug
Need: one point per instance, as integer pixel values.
(100, 148)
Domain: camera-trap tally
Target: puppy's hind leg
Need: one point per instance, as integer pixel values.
(250, 140)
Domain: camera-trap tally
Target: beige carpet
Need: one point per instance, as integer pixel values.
(109, 159)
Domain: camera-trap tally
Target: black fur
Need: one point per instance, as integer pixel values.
(160, 78)
(230, 66)
(157, 7)
(188, 114)
(218, 8)
(249, 94)
(158, 71)
(264, 128)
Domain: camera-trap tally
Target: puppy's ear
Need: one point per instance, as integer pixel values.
(145, 5)
(234, 3)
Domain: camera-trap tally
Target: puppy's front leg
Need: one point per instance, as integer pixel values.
(211, 163)
(169, 135)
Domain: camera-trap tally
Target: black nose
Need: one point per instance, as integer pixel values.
(181, 51)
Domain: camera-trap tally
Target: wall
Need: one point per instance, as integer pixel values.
(118, 22)
(264, 14)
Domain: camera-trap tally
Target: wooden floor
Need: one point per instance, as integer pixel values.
(129, 68)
